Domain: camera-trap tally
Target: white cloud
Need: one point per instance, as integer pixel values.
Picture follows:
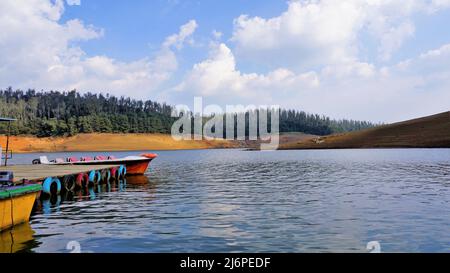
(393, 39)
(312, 51)
(73, 2)
(435, 53)
(358, 90)
(314, 33)
(349, 69)
(218, 76)
(186, 32)
(413, 88)
(38, 51)
(307, 33)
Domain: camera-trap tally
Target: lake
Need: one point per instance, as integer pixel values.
(242, 201)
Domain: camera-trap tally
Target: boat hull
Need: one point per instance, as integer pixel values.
(16, 205)
(134, 167)
(137, 168)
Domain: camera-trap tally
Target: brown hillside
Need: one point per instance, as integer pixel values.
(427, 132)
(108, 142)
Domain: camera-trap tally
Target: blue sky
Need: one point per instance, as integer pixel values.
(135, 30)
(132, 29)
(376, 60)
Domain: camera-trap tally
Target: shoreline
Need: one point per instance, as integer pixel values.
(110, 142)
(99, 142)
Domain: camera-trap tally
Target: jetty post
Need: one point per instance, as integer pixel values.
(8, 133)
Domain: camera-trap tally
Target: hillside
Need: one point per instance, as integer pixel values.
(127, 142)
(427, 132)
(108, 142)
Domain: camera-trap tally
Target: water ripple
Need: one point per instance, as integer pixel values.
(237, 201)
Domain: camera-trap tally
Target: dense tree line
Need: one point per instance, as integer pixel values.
(299, 121)
(68, 113)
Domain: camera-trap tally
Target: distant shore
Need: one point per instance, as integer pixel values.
(427, 132)
(108, 142)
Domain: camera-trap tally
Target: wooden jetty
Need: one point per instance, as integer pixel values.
(31, 181)
(39, 172)
(20, 185)
(67, 177)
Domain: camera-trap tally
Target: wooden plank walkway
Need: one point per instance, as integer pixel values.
(40, 172)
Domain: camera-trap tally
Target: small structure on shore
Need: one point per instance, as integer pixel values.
(318, 140)
(7, 152)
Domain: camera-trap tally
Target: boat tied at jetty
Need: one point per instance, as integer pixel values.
(21, 185)
(16, 204)
(134, 165)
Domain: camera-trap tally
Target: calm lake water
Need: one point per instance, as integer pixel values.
(240, 201)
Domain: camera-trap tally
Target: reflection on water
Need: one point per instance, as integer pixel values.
(18, 239)
(238, 201)
(47, 205)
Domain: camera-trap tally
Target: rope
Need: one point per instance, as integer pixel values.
(12, 208)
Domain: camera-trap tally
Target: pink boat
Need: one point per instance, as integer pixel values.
(136, 165)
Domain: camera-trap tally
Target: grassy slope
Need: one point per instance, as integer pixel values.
(427, 132)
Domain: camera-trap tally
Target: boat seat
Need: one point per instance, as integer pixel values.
(100, 157)
(43, 160)
(86, 158)
(72, 159)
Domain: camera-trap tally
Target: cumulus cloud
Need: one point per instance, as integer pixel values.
(308, 58)
(353, 89)
(313, 48)
(38, 51)
(307, 33)
(311, 33)
(218, 76)
(412, 88)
